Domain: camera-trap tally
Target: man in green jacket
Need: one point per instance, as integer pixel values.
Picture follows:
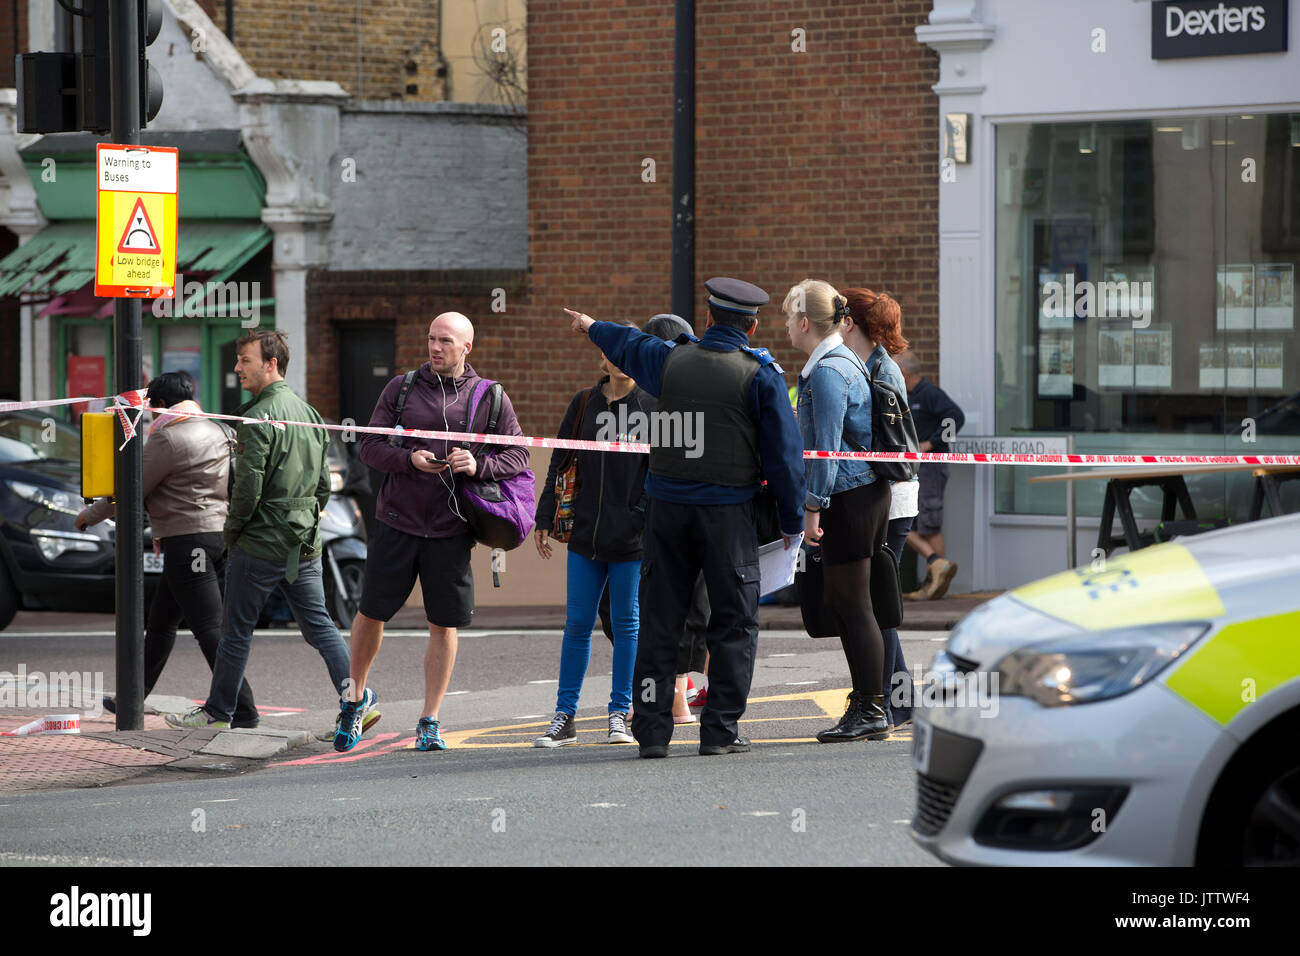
(272, 532)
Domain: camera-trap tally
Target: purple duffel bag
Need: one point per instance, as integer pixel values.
(499, 513)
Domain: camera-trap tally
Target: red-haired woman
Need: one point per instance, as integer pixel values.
(873, 330)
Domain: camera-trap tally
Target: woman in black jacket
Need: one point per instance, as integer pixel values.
(605, 544)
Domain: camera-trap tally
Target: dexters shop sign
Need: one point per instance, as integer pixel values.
(1181, 28)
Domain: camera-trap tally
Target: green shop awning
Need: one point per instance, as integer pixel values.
(61, 257)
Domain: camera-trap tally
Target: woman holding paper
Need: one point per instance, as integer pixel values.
(847, 508)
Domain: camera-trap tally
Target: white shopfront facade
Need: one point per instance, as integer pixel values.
(1093, 162)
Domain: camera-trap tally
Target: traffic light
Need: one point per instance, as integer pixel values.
(61, 92)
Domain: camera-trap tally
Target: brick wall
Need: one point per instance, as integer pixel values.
(411, 300)
(377, 57)
(819, 164)
(13, 40)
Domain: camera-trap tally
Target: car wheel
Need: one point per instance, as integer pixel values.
(1253, 817)
(343, 607)
(10, 599)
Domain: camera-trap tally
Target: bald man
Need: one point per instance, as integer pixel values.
(420, 531)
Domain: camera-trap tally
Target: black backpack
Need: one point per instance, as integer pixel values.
(892, 428)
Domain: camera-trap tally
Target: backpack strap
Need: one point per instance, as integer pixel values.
(403, 392)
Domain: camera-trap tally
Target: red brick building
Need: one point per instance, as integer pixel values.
(817, 155)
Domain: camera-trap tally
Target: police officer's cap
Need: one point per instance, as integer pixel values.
(733, 295)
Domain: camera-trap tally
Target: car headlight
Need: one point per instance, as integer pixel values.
(53, 544)
(61, 501)
(1094, 666)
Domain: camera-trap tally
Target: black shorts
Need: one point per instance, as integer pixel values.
(934, 479)
(394, 559)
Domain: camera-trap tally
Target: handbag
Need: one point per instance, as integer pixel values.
(499, 512)
(566, 480)
(886, 588)
(886, 593)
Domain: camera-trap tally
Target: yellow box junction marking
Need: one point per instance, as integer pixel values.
(830, 702)
(1240, 664)
(1151, 586)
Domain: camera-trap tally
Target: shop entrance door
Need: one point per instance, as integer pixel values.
(367, 356)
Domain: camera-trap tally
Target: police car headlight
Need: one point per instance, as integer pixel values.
(1094, 666)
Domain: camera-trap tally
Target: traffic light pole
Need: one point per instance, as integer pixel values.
(124, 40)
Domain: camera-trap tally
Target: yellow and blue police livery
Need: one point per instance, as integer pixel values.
(1140, 711)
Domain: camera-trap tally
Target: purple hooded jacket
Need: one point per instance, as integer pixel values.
(416, 502)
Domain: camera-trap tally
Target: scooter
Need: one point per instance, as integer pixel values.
(343, 548)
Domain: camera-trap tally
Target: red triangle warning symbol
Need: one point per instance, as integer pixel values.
(139, 235)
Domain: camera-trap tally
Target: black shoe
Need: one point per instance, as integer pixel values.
(236, 724)
(738, 746)
(110, 705)
(864, 720)
(654, 750)
(561, 733)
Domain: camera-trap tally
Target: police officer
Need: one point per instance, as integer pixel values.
(701, 508)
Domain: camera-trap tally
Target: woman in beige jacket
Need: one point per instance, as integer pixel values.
(186, 469)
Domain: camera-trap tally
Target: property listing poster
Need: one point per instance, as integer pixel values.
(1274, 296)
(1115, 356)
(1153, 357)
(1268, 366)
(1241, 365)
(1235, 298)
(1056, 363)
(1214, 373)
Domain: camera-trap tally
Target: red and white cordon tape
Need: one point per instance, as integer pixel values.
(135, 400)
(988, 458)
(51, 724)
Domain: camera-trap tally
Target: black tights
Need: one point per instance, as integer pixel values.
(847, 592)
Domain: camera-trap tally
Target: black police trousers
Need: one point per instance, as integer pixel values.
(679, 542)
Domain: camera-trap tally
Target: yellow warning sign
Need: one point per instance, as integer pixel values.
(135, 247)
(1162, 583)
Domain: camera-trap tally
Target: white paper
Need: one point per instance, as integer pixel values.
(776, 564)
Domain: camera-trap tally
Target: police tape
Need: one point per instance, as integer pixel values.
(576, 444)
(134, 401)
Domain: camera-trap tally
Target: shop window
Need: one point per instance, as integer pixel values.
(1145, 294)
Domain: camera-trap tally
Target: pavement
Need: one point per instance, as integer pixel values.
(941, 615)
(101, 755)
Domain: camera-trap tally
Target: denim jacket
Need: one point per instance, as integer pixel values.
(835, 415)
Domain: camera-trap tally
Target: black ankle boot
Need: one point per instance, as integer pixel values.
(864, 720)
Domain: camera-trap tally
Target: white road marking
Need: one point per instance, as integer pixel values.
(531, 717)
(113, 804)
(761, 813)
(604, 805)
(342, 799)
(226, 800)
(469, 799)
(780, 655)
(544, 681)
(800, 683)
(901, 821)
(453, 693)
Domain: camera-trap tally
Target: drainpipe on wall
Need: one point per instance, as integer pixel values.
(683, 252)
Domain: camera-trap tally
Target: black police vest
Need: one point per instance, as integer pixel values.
(712, 386)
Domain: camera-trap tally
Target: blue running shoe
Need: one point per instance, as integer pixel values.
(427, 736)
(353, 720)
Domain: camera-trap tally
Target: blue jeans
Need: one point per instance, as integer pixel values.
(895, 664)
(249, 581)
(586, 582)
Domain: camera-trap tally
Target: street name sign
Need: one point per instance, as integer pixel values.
(135, 231)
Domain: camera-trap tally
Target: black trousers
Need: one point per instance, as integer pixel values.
(190, 590)
(681, 541)
(691, 653)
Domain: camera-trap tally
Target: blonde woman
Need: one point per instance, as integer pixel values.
(847, 509)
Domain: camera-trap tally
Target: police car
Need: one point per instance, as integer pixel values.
(1144, 710)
